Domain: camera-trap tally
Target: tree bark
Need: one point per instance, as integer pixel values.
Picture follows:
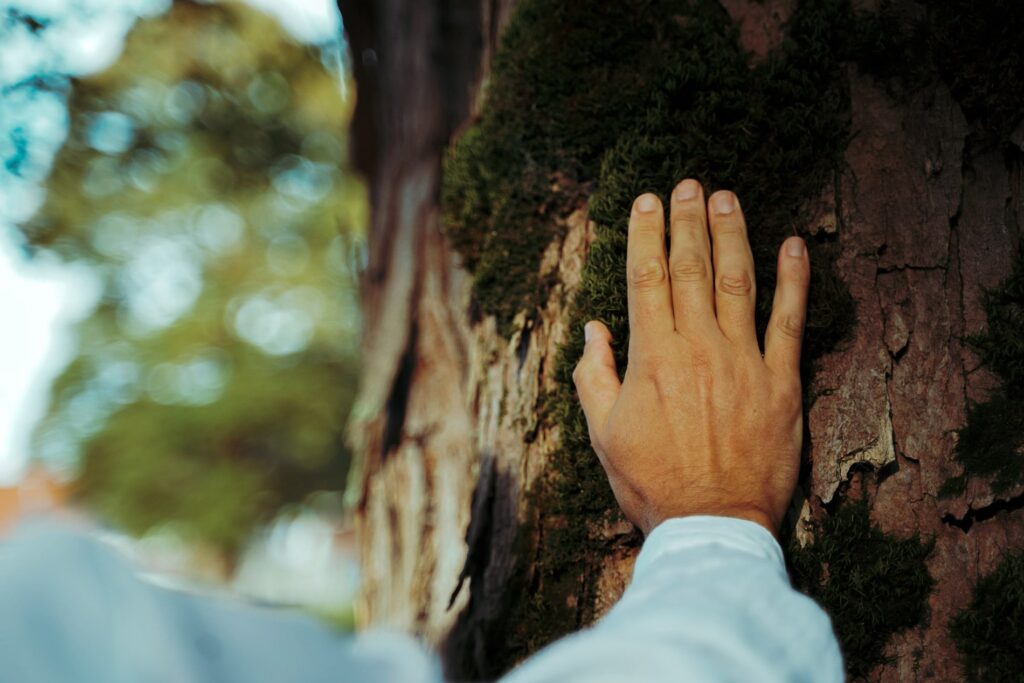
(416, 422)
(446, 428)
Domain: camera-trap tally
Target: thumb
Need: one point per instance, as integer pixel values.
(595, 377)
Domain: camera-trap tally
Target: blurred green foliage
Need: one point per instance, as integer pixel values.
(201, 182)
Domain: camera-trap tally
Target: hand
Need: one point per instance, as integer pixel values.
(701, 424)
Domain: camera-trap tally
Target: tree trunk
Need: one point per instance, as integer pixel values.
(448, 429)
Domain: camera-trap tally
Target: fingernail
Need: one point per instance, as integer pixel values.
(795, 247)
(646, 203)
(724, 202)
(588, 332)
(687, 190)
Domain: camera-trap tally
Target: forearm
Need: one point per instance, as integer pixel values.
(709, 601)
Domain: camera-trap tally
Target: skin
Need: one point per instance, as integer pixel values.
(701, 424)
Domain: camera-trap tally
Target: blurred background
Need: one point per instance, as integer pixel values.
(180, 244)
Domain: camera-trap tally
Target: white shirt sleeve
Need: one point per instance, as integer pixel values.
(71, 609)
(709, 601)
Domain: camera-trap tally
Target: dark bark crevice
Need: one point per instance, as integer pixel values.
(984, 513)
(398, 399)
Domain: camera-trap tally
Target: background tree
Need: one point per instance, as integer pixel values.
(203, 182)
(888, 134)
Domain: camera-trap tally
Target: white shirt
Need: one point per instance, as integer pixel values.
(709, 601)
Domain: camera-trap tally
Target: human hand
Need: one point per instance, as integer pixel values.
(701, 424)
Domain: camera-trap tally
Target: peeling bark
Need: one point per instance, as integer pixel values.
(924, 230)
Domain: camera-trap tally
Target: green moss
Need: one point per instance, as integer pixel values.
(979, 53)
(1001, 346)
(990, 444)
(609, 99)
(569, 79)
(988, 631)
(872, 584)
(973, 47)
(953, 487)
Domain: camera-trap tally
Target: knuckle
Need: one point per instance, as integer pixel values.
(611, 443)
(736, 283)
(796, 393)
(687, 222)
(791, 326)
(652, 365)
(699, 360)
(702, 371)
(645, 226)
(646, 273)
(689, 270)
(728, 227)
(792, 396)
(643, 364)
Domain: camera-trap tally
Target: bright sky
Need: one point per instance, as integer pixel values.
(37, 303)
(41, 299)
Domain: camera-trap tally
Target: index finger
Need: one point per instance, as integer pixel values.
(649, 296)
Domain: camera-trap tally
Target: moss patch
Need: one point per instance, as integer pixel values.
(871, 583)
(610, 99)
(569, 79)
(991, 444)
(975, 48)
(988, 631)
(1001, 346)
(979, 52)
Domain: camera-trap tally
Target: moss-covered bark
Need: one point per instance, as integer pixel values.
(599, 102)
(988, 631)
(590, 103)
(990, 445)
(871, 583)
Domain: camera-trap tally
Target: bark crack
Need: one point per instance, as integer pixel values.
(900, 268)
(954, 230)
(984, 513)
(398, 399)
(478, 534)
(894, 356)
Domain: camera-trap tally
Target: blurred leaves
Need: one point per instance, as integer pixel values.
(201, 181)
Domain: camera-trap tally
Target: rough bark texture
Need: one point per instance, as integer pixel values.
(447, 426)
(415, 425)
(926, 223)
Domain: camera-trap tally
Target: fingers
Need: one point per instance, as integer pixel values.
(597, 382)
(789, 309)
(650, 301)
(689, 262)
(734, 269)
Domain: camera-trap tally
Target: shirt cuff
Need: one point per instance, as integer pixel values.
(699, 532)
